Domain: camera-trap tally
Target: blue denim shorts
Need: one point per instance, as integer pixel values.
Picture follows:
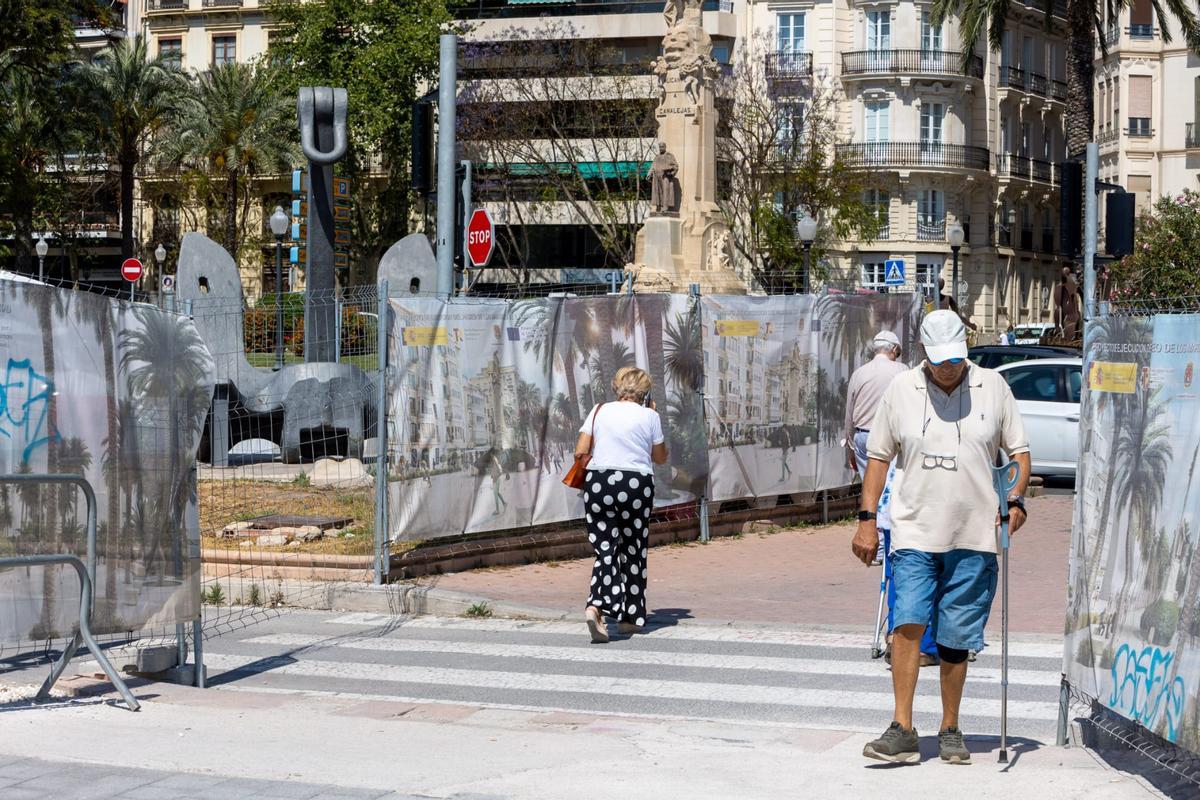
(959, 584)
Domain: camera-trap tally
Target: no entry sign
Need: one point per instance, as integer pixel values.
(481, 238)
(131, 270)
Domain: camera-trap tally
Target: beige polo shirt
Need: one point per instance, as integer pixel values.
(865, 390)
(945, 445)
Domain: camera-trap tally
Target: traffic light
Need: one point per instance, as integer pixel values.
(1070, 195)
(1118, 223)
(422, 146)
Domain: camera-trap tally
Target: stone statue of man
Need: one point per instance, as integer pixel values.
(662, 181)
(1066, 306)
(674, 10)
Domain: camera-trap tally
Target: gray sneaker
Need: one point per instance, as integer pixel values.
(951, 747)
(897, 745)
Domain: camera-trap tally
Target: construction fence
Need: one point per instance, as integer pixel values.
(114, 396)
(1133, 618)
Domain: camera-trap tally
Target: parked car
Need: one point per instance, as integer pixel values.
(994, 355)
(1032, 333)
(1048, 392)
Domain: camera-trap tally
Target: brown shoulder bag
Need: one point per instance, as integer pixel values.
(575, 475)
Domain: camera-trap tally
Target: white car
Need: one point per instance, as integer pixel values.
(1048, 392)
(1032, 333)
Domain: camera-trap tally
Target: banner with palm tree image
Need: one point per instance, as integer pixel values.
(776, 372)
(487, 398)
(116, 393)
(1133, 609)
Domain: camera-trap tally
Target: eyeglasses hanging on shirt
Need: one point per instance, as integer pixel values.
(935, 460)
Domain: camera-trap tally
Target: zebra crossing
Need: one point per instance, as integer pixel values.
(739, 674)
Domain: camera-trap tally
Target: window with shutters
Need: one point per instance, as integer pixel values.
(880, 202)
(874, 273)
(1141, 20)
(170, 52)
(1141, 103)
(224, 50)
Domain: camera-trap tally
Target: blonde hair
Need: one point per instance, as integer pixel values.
(631, 383)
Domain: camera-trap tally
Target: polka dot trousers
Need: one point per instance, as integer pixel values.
(618, 519)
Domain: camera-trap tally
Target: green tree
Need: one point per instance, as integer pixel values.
(134, 99)
(785, 159)
(1164, 263)
(240, 125)
(381, 52)
(39, 37)
(980, 19)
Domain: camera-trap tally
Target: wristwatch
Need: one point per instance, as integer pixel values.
(1017, 501)
(866, 516)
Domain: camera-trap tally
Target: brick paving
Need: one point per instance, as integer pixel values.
(805, 576)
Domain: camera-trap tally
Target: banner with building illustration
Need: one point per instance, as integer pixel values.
(116, 393)
(488, 397)
(775, 375)
(1133, 615)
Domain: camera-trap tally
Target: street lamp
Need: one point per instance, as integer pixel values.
(279, 226)
(160, 255)
(41, 248)
(956, 235)
(806, 229)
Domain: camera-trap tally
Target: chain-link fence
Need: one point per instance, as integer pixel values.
(290, 450)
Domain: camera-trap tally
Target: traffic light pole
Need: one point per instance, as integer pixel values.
(1090, 203)
(445, 165)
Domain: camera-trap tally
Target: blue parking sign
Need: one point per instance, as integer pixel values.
(894, 272)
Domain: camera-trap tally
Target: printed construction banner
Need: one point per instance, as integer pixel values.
(117, 393)
(1133, 613)
(776, 370)
(487, 399)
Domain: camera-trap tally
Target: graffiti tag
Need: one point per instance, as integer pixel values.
(1141, 691)
(24, 404)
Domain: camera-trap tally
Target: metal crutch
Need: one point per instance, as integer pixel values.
(1004, 479)
(884, 578)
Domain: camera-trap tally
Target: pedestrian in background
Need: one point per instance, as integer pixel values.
(863, 393)
(625, 440)
(943, 423)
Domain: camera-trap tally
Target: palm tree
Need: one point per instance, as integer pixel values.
(168, 372)
(135, 98)
(1143, 462)
(1084, 19)
(74, 458)
(34, 135)
(683, 353)
(239, 126)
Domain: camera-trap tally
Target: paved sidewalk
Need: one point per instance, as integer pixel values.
(805, 577)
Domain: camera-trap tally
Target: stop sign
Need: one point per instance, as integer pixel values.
(481, 238)
(131, 269)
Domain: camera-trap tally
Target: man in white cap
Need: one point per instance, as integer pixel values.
(943, 422)
(866, 388)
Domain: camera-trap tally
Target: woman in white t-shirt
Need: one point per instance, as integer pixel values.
(618, 494)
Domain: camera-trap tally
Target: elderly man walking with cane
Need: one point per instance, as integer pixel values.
(944, 423)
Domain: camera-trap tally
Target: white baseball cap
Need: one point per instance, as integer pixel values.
(886, 337)
(944, 336)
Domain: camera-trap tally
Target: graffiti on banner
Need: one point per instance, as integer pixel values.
(1143, 688)
(24, 406)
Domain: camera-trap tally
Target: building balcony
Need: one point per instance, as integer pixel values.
(861, 63)
(1191, 136)
(931, 230)
(1141, 31)
(787, 65)
(1058, 90)
(1011, 165)
(916, 155)
(1108, 139)
(1041, 171)
(156, 6)
(1012, 77)
(1111, 37)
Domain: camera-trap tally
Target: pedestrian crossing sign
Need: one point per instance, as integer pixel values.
(894, 272)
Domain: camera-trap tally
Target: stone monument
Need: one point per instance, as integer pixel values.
(685, 239)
